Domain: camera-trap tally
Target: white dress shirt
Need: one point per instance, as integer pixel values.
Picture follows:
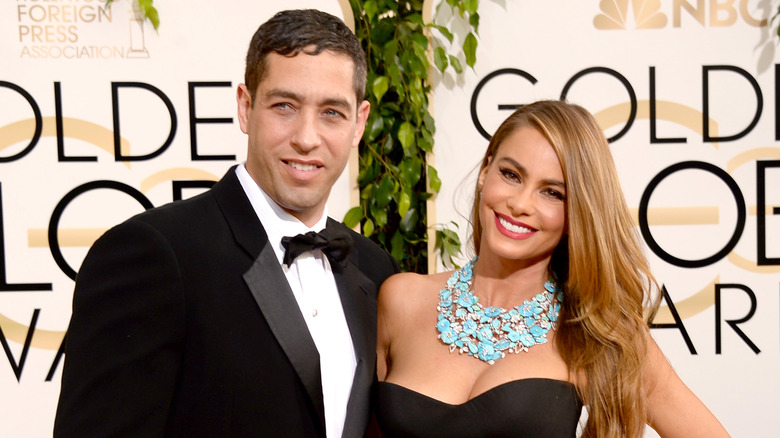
(311, 280)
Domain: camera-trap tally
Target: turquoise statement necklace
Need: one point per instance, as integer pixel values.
(489, 333)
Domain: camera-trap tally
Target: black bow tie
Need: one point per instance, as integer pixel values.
(333, 243)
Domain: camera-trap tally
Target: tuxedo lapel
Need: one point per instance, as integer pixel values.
(358, 300)
(270, 289)
(359, 310)
(273, 295)
(357, 294)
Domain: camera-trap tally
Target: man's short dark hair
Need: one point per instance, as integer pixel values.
(310, 31)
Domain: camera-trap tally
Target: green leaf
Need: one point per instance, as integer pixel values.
(368, 228)
(433, 179)
(420, 40)
(379, 87)
(404, 203)
(409, 220)
(415, 21)
(430, 124)
(474, 22)
(388, 145)
(406, 135)
(445, 32)
(410, 171)
(367, 191)
(390, 51)
(416, 93)
(418, 64)
(149, 12)
(375, 126)
(470, 6)
(353, 216)
(440, 58)
(460, 9)
(425, 142)
(384, 191)
(152, 15)
(370, 8)
(449, 235)
(397, 246)
(448, 244)
(394, 73)
(380, 216)
(455, 63)
(470, 49)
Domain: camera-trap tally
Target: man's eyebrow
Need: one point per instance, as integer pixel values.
(337, 102)
(286, 94)
(278, 92)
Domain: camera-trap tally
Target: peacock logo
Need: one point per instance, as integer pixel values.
(624, 14)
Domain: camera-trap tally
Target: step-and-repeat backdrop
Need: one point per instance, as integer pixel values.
(687, 91)
(102, 117)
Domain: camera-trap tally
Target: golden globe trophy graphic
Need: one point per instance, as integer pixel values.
(137, 43)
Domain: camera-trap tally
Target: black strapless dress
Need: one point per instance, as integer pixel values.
(521, 408)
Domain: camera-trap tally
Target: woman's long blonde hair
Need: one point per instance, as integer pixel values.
(601, 266)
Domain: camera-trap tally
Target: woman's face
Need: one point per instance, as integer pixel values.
(522, 206)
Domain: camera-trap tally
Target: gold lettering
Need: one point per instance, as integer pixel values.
(63, 13)
(698, 12)
(87, 15)
(23, 31)
(727, 7)
(743, 9)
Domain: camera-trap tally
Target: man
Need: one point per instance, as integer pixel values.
(191, 320)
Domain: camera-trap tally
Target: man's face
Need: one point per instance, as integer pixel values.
(303, 122)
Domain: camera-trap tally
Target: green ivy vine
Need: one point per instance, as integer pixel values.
(395, 179)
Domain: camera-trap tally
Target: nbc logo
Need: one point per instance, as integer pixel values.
(647, 14)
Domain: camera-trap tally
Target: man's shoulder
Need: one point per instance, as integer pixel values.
(225, 190)
(189, 208)
(195, 205)
(198, 213)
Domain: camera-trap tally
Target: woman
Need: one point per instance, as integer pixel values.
(547, 317)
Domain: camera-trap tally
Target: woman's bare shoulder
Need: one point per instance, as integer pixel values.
(406, 301)
(408, 281)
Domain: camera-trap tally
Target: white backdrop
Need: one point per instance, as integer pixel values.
(61, 59)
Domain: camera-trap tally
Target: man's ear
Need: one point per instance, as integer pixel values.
(362, 118)
(244, 103)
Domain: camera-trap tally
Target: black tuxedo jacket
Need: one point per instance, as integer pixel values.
(184, 325)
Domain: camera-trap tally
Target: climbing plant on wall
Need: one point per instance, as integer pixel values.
(395, 179)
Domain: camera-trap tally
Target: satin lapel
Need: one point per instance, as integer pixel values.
(239, 214)
(360, 311)
(273, 295)
(358, 300)
(359, 308)
(270, 289)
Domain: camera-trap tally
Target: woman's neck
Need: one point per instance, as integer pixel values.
(507, 283)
